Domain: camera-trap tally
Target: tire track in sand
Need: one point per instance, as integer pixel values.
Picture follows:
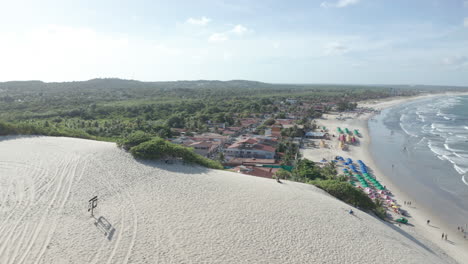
(7, 235)
(53, 227)
(123, 227)
(47, 210)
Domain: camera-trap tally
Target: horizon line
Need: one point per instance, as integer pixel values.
(245, 80)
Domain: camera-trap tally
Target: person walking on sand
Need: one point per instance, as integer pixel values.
(443, 235)
(428, 221)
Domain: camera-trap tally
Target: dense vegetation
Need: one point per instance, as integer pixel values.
(158, 148)
(29, 129)
(141, 115)
(143, 145)
(112, 108)
(327, 178)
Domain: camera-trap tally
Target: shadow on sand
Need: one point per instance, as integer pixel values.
(410, 237)
(177, 166)
(104, 226)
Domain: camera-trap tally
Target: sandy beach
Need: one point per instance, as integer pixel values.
(151, 212)
(456, 245)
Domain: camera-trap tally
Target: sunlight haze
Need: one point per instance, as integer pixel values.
(332, 41)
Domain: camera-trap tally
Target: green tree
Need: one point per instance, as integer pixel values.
(282, 174)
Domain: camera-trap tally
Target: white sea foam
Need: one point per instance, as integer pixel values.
(421, 141)
(459, 163)
(460, 170)
(402, 117)
(437, 150)
(407, 131)
(448, 148)
(444, 115)
(420, 116)
(461, 156)
(464, 180)
(425, 128)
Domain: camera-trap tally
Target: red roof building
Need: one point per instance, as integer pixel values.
(256, 171)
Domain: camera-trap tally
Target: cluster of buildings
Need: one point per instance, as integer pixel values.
(241, 149)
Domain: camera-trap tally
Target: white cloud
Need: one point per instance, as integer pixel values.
(336, 48)
(339, 3)
(465, 22)
(455, 60)
(203, 21)
(218, 37)
(465, 4)
(239, 30)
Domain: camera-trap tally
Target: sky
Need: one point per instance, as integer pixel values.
(278, 41)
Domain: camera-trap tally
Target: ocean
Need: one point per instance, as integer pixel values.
(423, 147)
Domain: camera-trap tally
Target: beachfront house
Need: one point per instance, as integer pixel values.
(205, 148)
(256, 171)
(250, 148)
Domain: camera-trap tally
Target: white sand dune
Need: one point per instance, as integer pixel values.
(175, 214)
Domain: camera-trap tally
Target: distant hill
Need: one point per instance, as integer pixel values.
(121, 84)
(118, 84)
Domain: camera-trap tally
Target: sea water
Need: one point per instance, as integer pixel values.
(423, 147)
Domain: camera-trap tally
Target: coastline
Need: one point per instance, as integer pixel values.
(419, 214)
(429, 234)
